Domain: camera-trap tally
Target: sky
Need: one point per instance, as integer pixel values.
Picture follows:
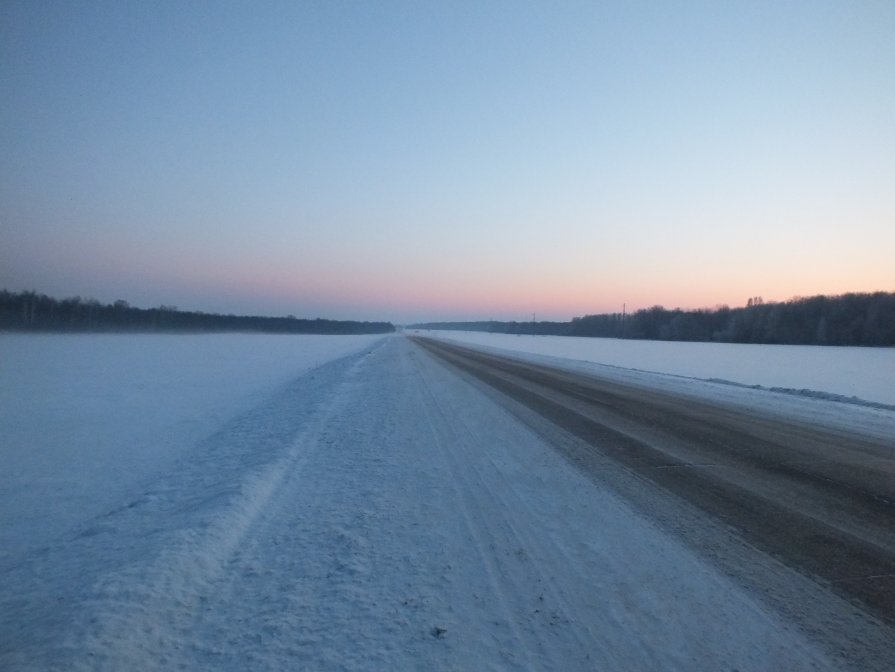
(414, 161)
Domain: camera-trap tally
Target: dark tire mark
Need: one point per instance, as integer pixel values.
(821, 501)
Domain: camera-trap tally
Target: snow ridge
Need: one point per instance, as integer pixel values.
(804, 392)
(185, 529)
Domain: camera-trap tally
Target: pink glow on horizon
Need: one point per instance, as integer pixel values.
(422, 289)
(501, 181)
(407, 296)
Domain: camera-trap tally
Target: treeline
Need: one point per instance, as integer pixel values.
(29, 311)
(849, 319)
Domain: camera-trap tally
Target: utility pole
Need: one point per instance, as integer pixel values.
(624, 308)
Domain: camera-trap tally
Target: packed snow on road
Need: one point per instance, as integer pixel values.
(255, 502)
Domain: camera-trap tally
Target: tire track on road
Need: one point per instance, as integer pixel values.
(840, 527)
(477, 528)
(520, 527)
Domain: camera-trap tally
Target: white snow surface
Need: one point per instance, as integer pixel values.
(85, 419)
(374, 512)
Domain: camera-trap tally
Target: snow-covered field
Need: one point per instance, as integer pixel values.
(327, 503)
(865, 373)
(86, 419)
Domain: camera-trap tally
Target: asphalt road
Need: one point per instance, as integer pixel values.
(820, 502)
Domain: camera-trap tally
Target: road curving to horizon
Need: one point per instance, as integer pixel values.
(820, 501)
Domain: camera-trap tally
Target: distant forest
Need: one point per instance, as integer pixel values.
(29, 311)
(849, 319)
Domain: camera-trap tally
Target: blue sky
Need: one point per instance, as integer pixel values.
(416, 160)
